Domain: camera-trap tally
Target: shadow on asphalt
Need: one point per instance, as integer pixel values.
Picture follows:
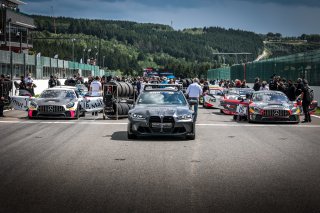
(122, 136)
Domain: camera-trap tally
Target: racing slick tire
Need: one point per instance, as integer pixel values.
(221, 111)
(193, 135)
(235, 117)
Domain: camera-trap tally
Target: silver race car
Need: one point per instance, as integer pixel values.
(272, 106)
(161, 110)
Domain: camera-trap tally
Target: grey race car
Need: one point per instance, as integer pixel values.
(161, 110)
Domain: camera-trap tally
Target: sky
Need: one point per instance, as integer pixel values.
(288, 17)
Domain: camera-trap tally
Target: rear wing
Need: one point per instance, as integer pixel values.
(162, 87)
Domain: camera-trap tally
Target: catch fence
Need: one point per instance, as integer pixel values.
(302, 65)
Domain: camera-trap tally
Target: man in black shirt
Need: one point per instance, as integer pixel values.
(305, 96)
(291, 91)
(257, 85)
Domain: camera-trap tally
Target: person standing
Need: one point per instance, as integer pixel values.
(96, 87)
(257, 85)
(306, 101)
(291, 91)
(194, 92)
(52, 82)
(2, 95)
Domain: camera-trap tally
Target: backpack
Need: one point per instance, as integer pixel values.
(309, 94)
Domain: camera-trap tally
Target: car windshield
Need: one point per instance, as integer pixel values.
(215, 92)
(269, 97)
(162, 98)
(240, 91)
(58, 94)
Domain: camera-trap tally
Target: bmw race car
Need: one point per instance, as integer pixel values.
(161, 110)
(272, 106)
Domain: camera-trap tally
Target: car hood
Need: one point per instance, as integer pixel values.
(53, 101)
(273, 105)
(161, 111)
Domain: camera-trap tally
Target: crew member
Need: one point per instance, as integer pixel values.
(95, 89)
(194, 91)
(2, 94)
(306, 101)
(291, 91)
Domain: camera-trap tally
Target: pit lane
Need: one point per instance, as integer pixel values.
(88, 165)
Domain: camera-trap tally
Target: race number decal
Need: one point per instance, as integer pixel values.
(20, 103)
(92, 104)
(241, 110)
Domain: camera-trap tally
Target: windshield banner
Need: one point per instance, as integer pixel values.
(20, 102)
(92, 104)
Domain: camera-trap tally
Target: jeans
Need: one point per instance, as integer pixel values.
(196, 105)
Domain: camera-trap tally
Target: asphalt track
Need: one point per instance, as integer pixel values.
(89, 165)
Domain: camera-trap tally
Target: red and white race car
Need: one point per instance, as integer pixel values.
(212, 98)
(233, 98)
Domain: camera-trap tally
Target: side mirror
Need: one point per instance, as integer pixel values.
(240, 99)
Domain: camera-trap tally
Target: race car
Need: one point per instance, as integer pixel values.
(161, 110)
(55, 102)
(233, 98)
(272, 106)
(212, 98)
(59, 102)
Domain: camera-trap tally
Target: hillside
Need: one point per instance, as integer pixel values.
(130, 46)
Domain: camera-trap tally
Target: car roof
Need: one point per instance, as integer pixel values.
(269, 91)
(62, 88)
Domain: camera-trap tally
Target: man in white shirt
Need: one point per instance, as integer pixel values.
(96, 87)
(194, 92)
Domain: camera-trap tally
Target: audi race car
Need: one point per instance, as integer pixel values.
(272, 106)
(161, 110)
(212, 98)
(233, 98)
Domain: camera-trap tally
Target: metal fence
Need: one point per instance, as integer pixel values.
(301, 65)
(42, 67)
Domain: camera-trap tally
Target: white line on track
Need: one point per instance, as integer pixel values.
(200, 124)
(315, 116)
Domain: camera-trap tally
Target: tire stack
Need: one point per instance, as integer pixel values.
(117, 98)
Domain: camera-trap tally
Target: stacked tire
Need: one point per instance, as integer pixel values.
(121, 108)
(124, 89)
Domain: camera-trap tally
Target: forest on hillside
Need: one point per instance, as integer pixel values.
(129, 46)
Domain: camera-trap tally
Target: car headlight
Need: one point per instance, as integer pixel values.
(212, 100)
(185, 117)
(137, 116)
(70, 105)
(33, 104)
